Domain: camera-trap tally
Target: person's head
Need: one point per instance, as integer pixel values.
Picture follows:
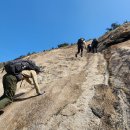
(95, 39)
(89, 45)
(82, 39)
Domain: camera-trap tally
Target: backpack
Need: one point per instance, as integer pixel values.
(80, 42)
(16, 66)
(94, 43)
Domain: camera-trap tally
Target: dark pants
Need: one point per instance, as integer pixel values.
(9, 85)
(89, 49)
(80, 49)
(94, 49)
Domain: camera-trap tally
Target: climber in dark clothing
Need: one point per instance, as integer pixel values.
(89, 48)
(80, 45)
(94, 46)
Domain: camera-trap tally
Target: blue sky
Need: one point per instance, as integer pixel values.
(36, 25)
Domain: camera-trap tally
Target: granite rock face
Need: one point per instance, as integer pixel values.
(118, 58)
(120, 34)
(68, 83)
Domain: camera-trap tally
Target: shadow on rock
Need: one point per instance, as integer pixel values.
(18, 95)
(22, 99)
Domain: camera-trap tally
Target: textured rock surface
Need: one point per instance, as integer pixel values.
(69, 84)
(116, 36)
(118, 58)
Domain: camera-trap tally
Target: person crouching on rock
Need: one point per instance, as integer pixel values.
(10, 81)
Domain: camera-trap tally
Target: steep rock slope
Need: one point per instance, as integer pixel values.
(118, 58)
(70, 85)
(120, 34)
(115, 46)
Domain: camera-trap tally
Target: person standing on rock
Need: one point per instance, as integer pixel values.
(94, 45)
(89, 47)
(17, 71)
(80, 46)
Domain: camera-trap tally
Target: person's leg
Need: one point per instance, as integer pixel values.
(96, 49)
(29, 80)
(34, 77)
(77, 52)
(88, 49)
(31, 74)
(81, 51)
(10, 85)
(93, 49)
(26, 73)
(4, 102)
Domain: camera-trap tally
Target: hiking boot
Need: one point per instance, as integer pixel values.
(40, 93)
(1, 112)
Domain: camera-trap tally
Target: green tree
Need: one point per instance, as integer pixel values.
(63, 45)
(113, 27)
(125, 21)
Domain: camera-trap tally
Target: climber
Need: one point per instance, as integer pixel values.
(94, 45)
(16, 71)
(89, 47)
(80, 45)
